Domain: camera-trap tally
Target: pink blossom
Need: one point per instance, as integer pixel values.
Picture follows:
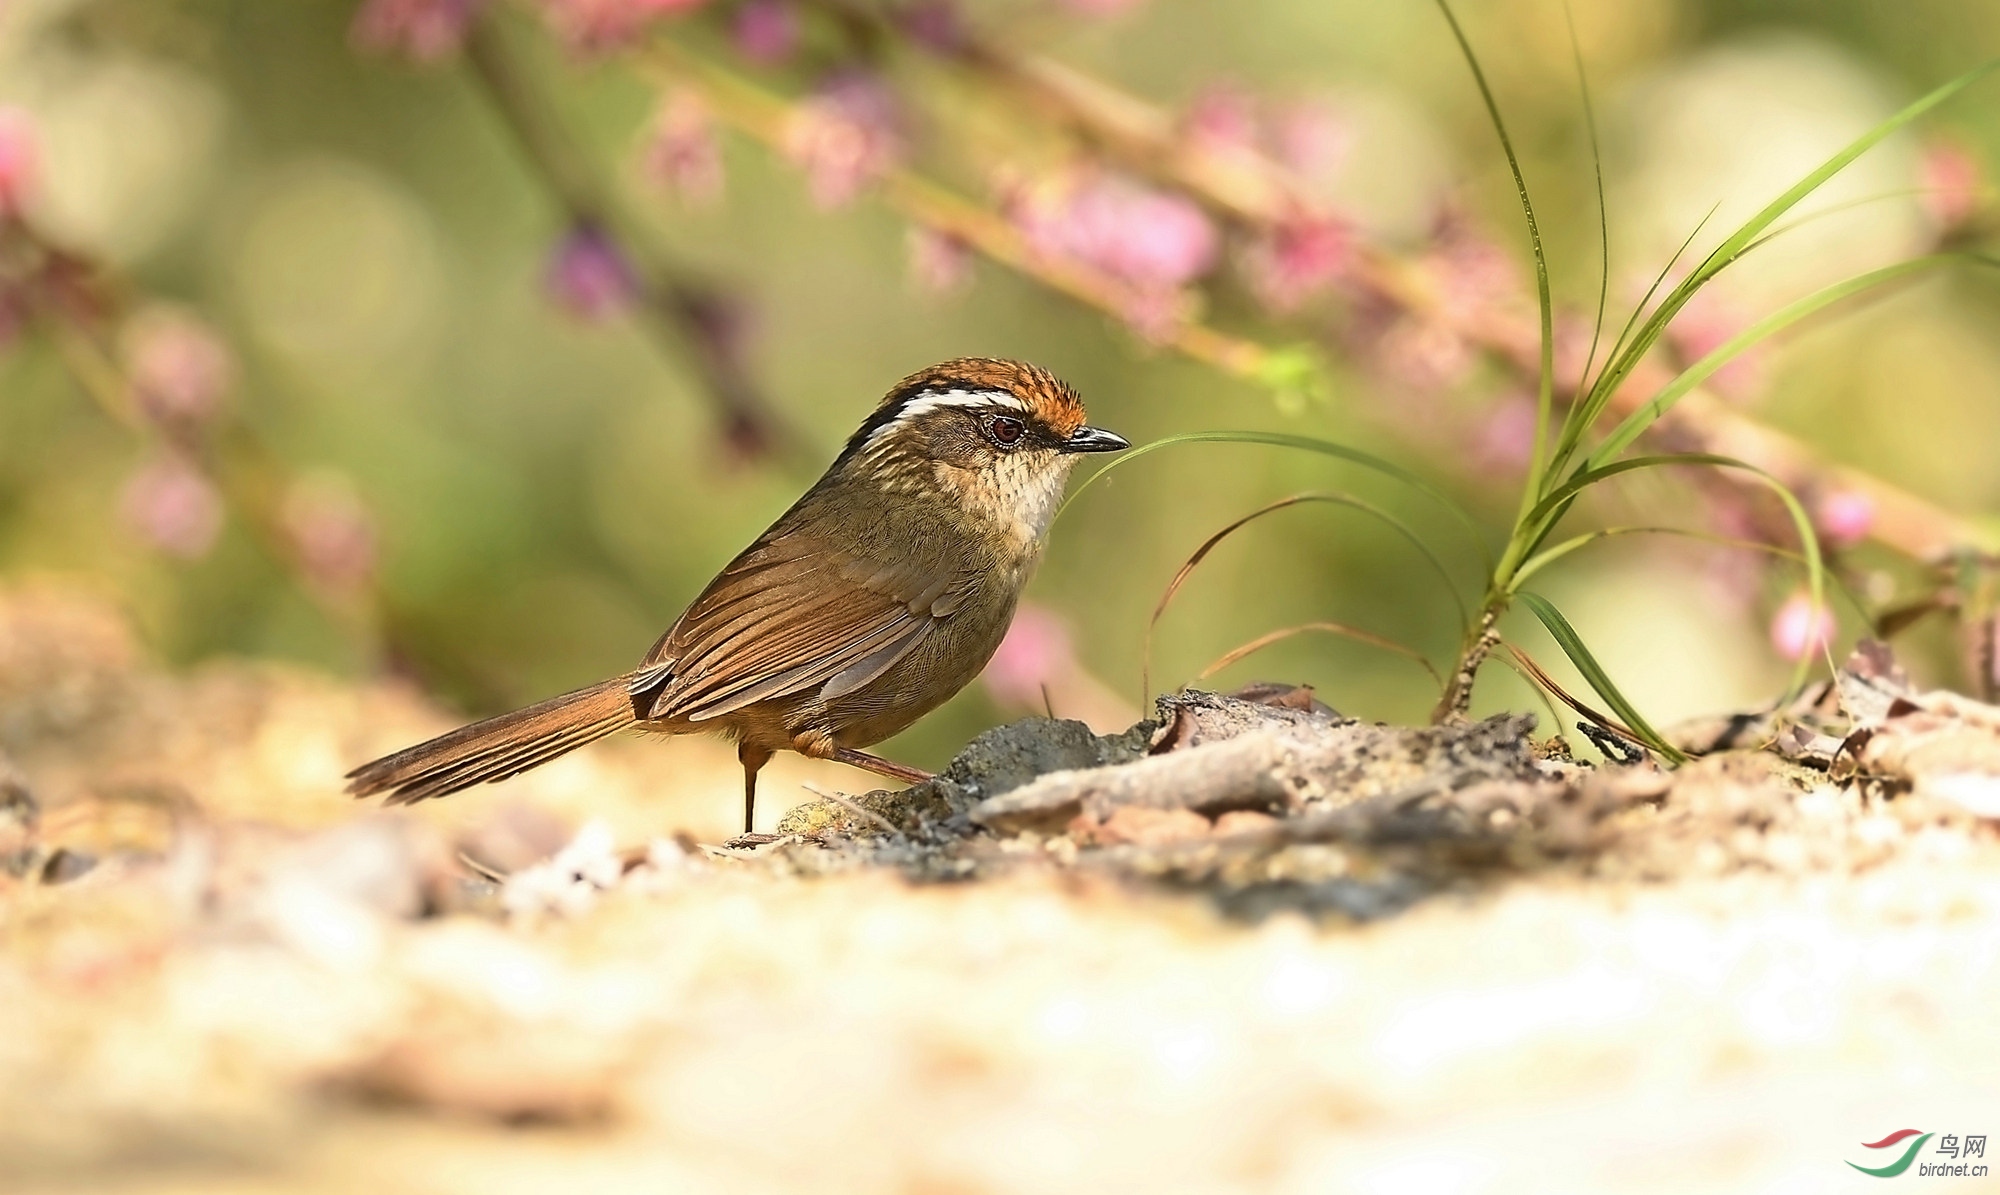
(934, 24)
(1037, 669)
(426, 30)
(20, 160)
(1312, 139)
(940, 264)
(1733, 578)
(1507, 433)
(1222, 116)
(1146, 236)
(1102, 8)
(1151, 239)
(1154, 313)
(173, 507)
(681, 152)
(1035, 653)
(1952, 184)
(1471, 273)
(845, 137)
(589, 277)
(766, 31)
(1801, 628)
(1844, 517)
(1731, 517)
(1425, 355)
(597, 26)
(1297, 260)
(1707, 323)
(178, 368)
(331, 533)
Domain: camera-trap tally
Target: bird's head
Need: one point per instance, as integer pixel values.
(998, 436)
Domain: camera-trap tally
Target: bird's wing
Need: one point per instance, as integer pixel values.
(790, 616)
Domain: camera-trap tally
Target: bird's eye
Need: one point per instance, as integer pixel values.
(1004, 430)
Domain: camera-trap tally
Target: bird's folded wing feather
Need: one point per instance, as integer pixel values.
(786, 618)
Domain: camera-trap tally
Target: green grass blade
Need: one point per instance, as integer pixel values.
(1732, 248)
(1549, 556)
(1836, 209)
(1243, 650)
(1354, 456)
(1209, 545)
(1545, 387)
(1552, 508)
(1742, 237)
(1576, 424)
(1634, 425)
(1603, 208)
(1539, 679)
(1416, 541)
(1583, 479)
(1600, 681)
(1555, 719)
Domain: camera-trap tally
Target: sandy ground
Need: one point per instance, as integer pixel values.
(218, 974)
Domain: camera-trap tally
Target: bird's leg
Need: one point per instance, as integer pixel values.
(752, 757)
(881, 767)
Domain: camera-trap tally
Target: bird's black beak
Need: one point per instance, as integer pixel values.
(1096, 439)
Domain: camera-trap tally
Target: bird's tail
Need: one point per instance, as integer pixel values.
(498, 747)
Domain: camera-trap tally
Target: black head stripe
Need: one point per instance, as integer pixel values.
(899, 404)
(885, 414)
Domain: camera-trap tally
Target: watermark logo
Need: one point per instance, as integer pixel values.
(1900, 1164)
(1950, 1145)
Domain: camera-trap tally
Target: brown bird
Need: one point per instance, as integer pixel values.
(878, 595)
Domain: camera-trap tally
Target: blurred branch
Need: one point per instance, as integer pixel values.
(766, 117)
(94, 371)
(1250, 188)
(696, 320)
(73, 304)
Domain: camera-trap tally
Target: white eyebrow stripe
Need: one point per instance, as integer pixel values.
(929, 401)
(925, 403)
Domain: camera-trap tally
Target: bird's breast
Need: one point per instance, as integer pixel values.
(1014, 503)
